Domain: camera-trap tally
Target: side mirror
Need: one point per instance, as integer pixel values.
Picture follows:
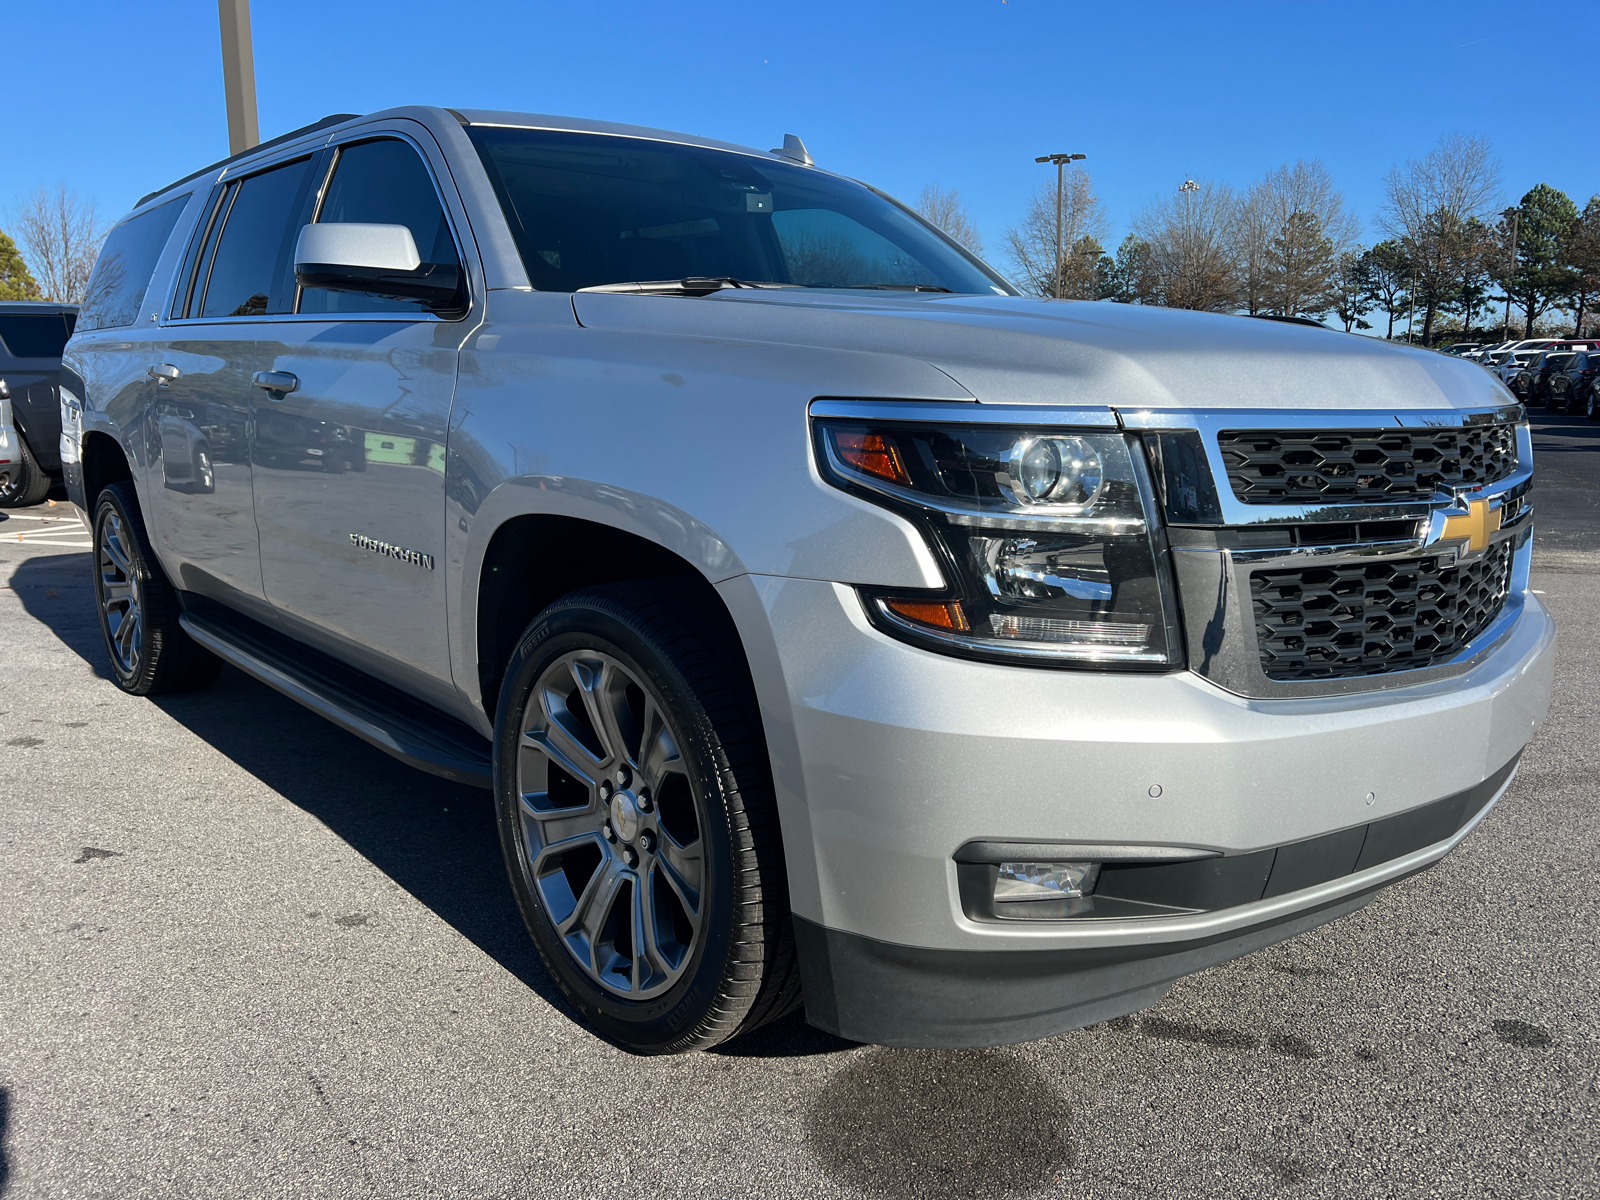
(380, 260)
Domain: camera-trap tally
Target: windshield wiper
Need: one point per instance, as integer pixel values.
(904, 287)
(692, 285)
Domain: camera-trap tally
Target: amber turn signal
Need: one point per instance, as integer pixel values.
(946, 614)
(872, 453)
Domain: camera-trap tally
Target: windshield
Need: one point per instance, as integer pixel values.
(588, 210)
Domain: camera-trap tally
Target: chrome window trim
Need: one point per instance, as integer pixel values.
(273, 318)
(316, 145)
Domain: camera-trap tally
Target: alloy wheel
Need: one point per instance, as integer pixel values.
(121, 598)
(610, 825)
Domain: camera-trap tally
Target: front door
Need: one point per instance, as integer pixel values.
(349, 479)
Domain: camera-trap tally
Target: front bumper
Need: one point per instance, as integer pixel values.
(900, 757)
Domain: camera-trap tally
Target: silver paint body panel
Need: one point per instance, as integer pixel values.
(684, 421)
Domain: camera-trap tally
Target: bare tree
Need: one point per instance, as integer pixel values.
(1191, 259)
(1032, 243)
(1429, 203)
(942, 207)
(1290, 231)
(1252, 248)
(61, 236)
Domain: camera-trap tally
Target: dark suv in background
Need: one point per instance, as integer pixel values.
(1572, 386)
(32, 335)
(1532, 383)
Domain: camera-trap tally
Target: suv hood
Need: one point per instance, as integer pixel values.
(1019, 350)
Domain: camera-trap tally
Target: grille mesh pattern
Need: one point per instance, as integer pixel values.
(1308, 466)
(1350, 619)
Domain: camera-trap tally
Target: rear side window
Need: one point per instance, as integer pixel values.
(250, 274)
(122, 272)
(34, 335)
(383, 182)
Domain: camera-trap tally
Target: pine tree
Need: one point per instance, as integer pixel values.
(16, 281)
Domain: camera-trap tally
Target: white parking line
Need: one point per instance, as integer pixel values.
(51, 531)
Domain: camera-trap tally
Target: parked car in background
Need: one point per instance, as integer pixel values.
(827, 619)
(1510, 366)
(1532, 383)
(1460, 349)
(32, 334)
(1572, 386)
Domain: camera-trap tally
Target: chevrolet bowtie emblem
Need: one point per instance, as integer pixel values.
(1476, 525)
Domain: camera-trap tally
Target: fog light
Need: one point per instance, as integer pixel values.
(1045, 880)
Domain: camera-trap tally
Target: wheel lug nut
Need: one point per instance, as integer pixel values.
(623, 775)
(611, 834)
(646, 842)
(645, 803)
(630, 856)
(605, 789)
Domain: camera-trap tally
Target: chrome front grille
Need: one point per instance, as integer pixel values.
(1360, 618)
(1371, 466)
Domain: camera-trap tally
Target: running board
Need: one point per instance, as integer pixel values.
(414, 732)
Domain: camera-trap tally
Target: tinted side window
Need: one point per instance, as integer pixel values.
(34, 335)
(122, 272)
(186, 289)
(247, 277)
(383, 183)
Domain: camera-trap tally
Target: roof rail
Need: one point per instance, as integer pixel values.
(335, 119)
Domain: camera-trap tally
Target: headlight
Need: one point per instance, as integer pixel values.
(1049, 537)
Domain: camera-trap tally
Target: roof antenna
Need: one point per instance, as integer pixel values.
(795, 151)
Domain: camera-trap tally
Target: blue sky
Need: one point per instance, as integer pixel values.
(117, 99)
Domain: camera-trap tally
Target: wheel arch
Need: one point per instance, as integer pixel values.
(533, 559)
(101, 460)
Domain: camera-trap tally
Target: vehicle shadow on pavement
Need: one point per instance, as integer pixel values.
(436, 839)
(57, 590)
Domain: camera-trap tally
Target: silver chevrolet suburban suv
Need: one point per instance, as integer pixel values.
(831, 623)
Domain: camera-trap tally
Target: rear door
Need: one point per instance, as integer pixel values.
(227, 322)
(349, 483)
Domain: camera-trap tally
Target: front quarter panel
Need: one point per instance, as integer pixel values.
(698, 444)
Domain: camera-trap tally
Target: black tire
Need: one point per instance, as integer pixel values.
(150, 653)
(29, 484)
(739, 970)
(1593, 404)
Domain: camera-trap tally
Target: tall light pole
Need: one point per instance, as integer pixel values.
(238, 75)
(1060, 160)
(1511, 269)
(1411, 319)
(1187, 189)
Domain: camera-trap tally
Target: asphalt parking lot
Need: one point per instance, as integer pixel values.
(242, 953)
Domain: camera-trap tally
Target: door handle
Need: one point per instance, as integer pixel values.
(163, 373)
(276, 384)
